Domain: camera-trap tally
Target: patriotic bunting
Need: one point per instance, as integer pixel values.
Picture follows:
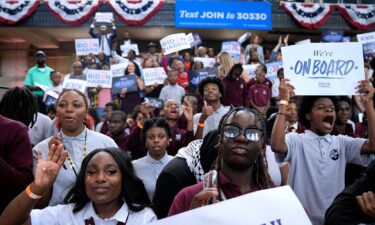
(308, 15)
(73, 12)
(360, 16)
(12, 11)
(135, 12)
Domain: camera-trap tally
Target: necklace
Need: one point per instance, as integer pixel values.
(70, 161)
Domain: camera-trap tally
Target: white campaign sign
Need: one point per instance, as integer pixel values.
(76, 84)
(154, 75)
(275, 206)
(306, 41)
(250, 69)
(87, 46)
(324, 68)
(207, 62)
(103, 17)
(118, 70)
(174, 42)
(366, 38)
(99, 77)
(125, 49)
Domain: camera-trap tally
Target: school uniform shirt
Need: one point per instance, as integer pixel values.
(260, 94)
(148, 170)
(317, 168)
(39, 131)
(74, 145)
(184, 198)
(212, 121)
(235, 92)
(63, 215)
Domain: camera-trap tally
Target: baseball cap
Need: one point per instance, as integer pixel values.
(151, 44)
(40, 53)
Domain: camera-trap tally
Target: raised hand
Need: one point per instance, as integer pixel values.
(286, 90)
(46, 170)
(188, 110)
(286, 38)
(207, 110)
(366, 90)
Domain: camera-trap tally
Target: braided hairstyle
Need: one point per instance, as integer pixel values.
(260, 176)
(20, 104)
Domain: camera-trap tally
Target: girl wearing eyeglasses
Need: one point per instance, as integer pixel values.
(241, 163)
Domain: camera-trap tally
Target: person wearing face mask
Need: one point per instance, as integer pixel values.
(37, 77)
(106, 192)
(78, 141)
(156, 134)
(316, 158)
(240, 165)
(235, 87)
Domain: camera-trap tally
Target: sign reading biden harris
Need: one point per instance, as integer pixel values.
(324, 68)
(223, 14)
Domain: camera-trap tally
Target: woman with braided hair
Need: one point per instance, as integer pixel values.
(241, 163)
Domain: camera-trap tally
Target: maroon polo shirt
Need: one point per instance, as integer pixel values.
(260, 94)
(183, 199)
(235, 92)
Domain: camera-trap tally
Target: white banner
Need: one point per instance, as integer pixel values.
(174, 42)
(76, 84)
(324, 68)
(99, 77)
(366, 38)
(125, 49)
(87, 46)
(275, 206)
(118, 70)
(154, 75)
(102, 17)
(207, 62)
(306, 41)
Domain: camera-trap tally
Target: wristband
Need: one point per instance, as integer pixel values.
(140, 125)
(279, 113)
(32, 195)
(200, 124)
(284, 102)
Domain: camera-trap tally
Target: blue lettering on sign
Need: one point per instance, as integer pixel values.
(328, 68)
(273, 222)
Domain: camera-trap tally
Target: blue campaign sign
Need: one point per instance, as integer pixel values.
(223, 14)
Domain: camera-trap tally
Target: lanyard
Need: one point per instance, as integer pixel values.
(70, 161)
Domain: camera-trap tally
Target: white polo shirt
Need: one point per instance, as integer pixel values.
(63, 215)
(317, 168)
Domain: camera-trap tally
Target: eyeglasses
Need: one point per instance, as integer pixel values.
(233, 131)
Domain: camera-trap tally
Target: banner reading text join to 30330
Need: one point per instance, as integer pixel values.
(223, 14)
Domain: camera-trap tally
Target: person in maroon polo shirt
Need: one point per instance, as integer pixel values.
(240, 164)
(235, 87)
(116, 128)
(259, 95)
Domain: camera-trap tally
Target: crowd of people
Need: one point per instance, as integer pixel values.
(93, 156)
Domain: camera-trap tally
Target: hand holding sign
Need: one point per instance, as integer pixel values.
(286, 90)
(366, 90)
(204, 197)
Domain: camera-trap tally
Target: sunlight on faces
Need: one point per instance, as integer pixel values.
(322, 116)
(71, 109)
(237, 151)
(103, 180)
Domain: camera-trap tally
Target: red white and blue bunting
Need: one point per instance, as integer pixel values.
(12, 11)
(308, 15)
(73, 12)
(360, 16)
(135, 12)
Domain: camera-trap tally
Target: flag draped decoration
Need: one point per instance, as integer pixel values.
(135, 12)
(12, 11)
(308, 15)
(360, 16)
(73, 12)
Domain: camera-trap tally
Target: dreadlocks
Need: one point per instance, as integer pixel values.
(260, 175)
(19, 104)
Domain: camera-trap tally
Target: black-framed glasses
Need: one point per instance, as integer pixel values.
(233, 131)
